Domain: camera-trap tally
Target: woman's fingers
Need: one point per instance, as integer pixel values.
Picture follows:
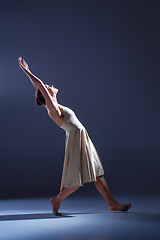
(23, 64)
(20, 60)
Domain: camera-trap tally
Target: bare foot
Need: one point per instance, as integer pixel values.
(120, 207)
(55, 204)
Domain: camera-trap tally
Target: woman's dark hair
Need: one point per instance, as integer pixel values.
(39, 98)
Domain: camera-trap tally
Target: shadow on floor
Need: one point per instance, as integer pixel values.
(135, 216)
(29, 216)
(38, 216)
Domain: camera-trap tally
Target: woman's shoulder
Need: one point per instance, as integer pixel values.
(65, 109)
(52, 114)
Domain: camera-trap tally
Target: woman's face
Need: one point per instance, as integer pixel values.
(52, 90)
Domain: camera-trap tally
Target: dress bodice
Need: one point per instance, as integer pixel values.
(70, 122)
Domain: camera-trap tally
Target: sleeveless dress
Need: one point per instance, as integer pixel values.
(81, 161)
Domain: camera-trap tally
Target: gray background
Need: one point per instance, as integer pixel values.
(103, 56)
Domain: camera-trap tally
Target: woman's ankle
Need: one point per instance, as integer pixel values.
(112, 202)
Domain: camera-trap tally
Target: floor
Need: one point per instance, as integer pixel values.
(83, 218)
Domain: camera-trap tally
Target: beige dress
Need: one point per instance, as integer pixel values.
(81, 162)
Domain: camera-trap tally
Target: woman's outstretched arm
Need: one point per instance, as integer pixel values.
(51, 104)
(23, 65)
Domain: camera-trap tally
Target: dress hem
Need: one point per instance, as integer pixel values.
(80, 185)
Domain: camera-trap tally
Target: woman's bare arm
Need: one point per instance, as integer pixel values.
(37, 83)
(27, 68)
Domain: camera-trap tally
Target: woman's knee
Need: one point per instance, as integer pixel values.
(99, 177)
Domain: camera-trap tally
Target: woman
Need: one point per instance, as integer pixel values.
(81, 163)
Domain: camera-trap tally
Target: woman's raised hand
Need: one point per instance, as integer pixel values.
(23, 65)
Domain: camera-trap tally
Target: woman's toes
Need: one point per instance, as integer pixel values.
(125, 207)
(58, 214)
(129, 205)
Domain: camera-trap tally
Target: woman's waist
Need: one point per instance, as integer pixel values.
(69, 125)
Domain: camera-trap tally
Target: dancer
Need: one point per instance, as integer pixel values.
(81, 162)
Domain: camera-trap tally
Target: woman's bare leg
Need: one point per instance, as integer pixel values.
(57, 200)
(103, 188)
